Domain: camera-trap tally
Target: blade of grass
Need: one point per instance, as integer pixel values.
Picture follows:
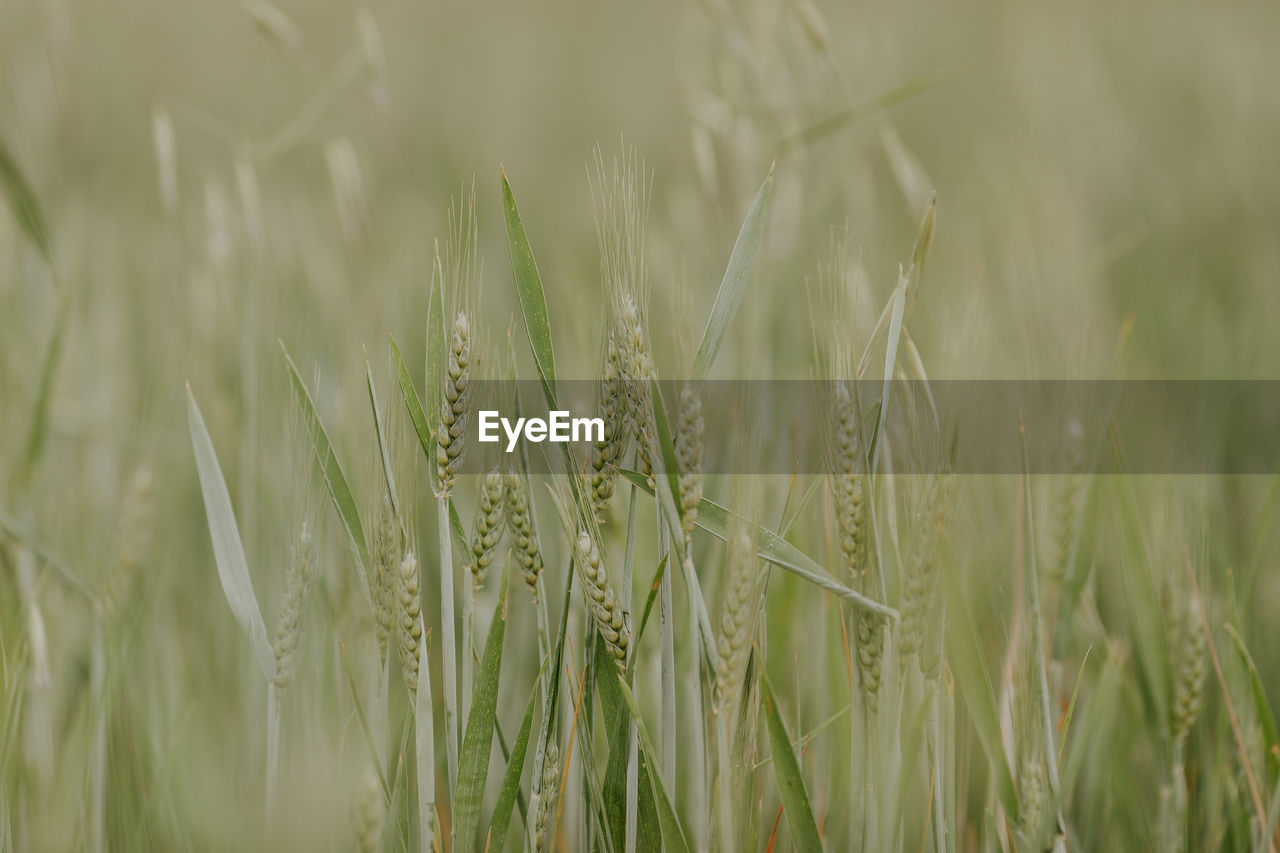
(511, 780)
(477, 740)
(736, 276)
(786, 771)
(383, 452)
(658, 576)
(412, 403)
(716, 520)
(533, 302)
(334, 479)
(39, 429)
(23, 202)
(228, 553)
(1266, 716)
(673, 834)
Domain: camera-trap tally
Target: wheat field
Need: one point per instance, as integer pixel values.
(897, 536)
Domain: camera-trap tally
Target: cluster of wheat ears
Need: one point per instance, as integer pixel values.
(653, 716)
(429, 777)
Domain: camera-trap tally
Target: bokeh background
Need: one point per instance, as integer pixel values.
(217, 176)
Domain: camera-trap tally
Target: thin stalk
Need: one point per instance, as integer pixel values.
(724, 807)
(424, 749)
(448, 648)
(633, 766)
(668, 663)
(468, 645)
(1038, 647)
(941, 837)
(273, 747)
(98, 754)
(698, 775)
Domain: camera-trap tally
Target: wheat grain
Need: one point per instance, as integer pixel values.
(524, 539)
(368, 813)
(293, 610)
(409, 622)
(615, 412)
(1190, 656)
(690, 458)
(455, 408)
(548, 797)
(737, 618)
(489, 526)
(608, 614)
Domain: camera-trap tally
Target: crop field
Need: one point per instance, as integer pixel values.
(731, 425)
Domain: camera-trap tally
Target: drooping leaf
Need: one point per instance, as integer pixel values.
(716, 519)
(736, 275)
(228, 552)
(786, 772)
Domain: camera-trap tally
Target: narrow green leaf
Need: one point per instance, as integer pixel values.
(343, 501)
(23, 202)
(533, 302)
(736, 276)
(384, 452)
(786, 771)
(511, 781)
(648, 602)
(477, 741)
(617, 719)
(673, 835)
(716, 519)
(413, 405)
(39, 429)
(1266, 716)
(228, 553)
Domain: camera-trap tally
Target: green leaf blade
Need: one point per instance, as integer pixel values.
(736, 276)
(477, 740)
(511, 781)
(336, 482)
(533, 301)
(786, 771)
(228, 552)
(23, 202)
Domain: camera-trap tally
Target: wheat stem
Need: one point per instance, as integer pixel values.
(448, 648)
